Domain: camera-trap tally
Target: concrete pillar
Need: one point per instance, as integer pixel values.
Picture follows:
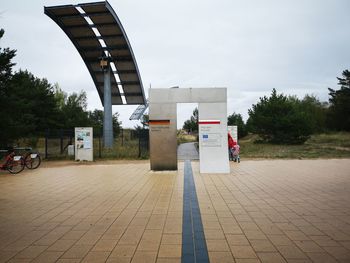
(107, 117)
(163, 143)
(213, 145)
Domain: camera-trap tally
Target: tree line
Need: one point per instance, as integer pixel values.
(283, 119)
(31, 105)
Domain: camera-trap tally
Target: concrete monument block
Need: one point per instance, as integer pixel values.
(163, 143)
(213, 149)
(213, 145)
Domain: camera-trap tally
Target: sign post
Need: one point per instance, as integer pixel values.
(84, 144)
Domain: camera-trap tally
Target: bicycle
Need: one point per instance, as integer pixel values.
(32, 160)
(13, 163)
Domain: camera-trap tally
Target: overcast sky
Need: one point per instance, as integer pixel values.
(298, 47)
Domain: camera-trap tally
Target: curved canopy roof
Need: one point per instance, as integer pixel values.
(96, 31)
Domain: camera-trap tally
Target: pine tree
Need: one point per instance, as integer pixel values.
(339, 110)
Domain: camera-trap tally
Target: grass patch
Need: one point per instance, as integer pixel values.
(128, 151)
(183, 137)
(328, 145)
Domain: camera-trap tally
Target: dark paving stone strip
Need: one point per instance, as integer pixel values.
(194, 248)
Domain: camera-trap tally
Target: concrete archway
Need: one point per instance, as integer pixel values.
(212, 110)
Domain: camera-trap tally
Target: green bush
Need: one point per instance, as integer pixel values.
(280, 119)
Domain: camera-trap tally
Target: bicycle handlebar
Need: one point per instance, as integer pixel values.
(16, 148)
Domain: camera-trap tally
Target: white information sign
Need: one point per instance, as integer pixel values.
(84, 144)
(211, 140)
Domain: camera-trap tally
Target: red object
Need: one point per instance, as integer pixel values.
(231, 141)
(209, 122)
(159, 122)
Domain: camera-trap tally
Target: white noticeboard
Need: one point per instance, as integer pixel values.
(233, 130)
(210, 135)
(211, 139)
(84, 144)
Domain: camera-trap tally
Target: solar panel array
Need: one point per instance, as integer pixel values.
(96, 32)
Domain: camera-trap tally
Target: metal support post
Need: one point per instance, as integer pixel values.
(107, 117)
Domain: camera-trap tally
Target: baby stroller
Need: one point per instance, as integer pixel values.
(234, 153)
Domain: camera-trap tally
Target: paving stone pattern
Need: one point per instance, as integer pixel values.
(187, 151)
(277, 211)
(264, 211)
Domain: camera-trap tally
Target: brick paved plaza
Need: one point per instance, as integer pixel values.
(264, 211)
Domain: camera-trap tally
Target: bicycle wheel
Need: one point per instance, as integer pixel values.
(15, 165)
(32, 160)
